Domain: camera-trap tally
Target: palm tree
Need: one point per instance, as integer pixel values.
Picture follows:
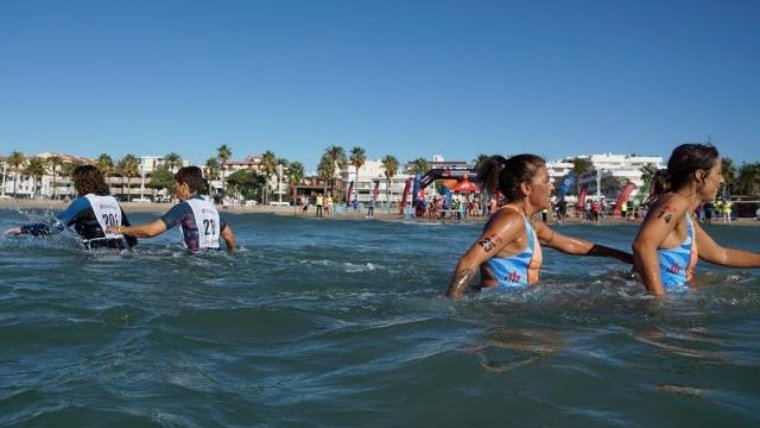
(729, 176)
(749, 179)
(480, 161)
(127, 167)
(104, 164)
(173, 161)
(390, 164)
(54, 162)
(419, 165)
(268, 168)
(223, 154)
(581, 167)
(16, 159)
(295, 173)
(35, 169)
(68, 168)
(326, 169)
(336, 155)
(357, 158)
(212, 171)
(647, 173)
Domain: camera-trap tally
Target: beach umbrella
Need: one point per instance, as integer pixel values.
(466, 186)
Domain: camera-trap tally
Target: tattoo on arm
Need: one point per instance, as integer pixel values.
(489, 242)
(666, 213)
(459, 283)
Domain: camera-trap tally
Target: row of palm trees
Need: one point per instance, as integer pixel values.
(37, 167)
(744, 180)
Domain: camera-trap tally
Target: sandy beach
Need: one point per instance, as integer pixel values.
(158, 208)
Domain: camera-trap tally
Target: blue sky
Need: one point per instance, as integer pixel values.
(408, 78)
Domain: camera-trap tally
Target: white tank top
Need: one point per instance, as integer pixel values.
(207, 221)
(107, 212)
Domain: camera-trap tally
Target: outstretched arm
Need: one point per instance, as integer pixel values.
(147, 230)
(68, 217)
(577, 246)
(711, 251)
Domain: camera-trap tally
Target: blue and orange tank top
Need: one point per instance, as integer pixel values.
(521, 270)
(677, 264)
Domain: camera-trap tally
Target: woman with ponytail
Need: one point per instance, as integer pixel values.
(508, 252)
(669, 242)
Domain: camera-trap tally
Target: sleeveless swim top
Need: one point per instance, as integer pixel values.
(677, 264)
(520, 270)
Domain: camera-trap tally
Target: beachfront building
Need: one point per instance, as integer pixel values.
(277, 182)
(372, 176)
(438, 162)
(609, 172)
(250, 162)
(54, 181)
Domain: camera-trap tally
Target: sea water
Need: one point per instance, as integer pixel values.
(343, 323)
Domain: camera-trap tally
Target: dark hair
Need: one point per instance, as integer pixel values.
(192, 176)
(683, 162)
(88, 179)
(506, 175)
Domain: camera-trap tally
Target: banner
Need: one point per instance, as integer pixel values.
(567, 182)
(348, 193)
(405, 195)
(417, 191)
(623, 199)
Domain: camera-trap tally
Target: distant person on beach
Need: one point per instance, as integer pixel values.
(562, 211)
(669, 241)
(91, 213)
(371, 208)
(320, 205)
(328, 204)
(508, 252)
(306, 202)
(198, 218)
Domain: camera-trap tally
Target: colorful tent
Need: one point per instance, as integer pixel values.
(466, 186)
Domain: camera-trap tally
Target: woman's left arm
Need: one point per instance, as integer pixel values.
(577, 246)
(710, 251)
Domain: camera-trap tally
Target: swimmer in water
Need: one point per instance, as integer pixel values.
(508, 252)
(670, 241)
(197, 217)
(90, 214)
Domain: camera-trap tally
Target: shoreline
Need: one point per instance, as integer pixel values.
(380, 215)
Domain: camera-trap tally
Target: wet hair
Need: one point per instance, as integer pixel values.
(684, 161)
(192, 176)
(88, 179)
(506, 175)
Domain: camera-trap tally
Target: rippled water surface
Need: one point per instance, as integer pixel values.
(342, 323)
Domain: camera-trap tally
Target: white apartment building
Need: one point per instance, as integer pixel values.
(623, 167)
(371, 172)
(58, 185)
